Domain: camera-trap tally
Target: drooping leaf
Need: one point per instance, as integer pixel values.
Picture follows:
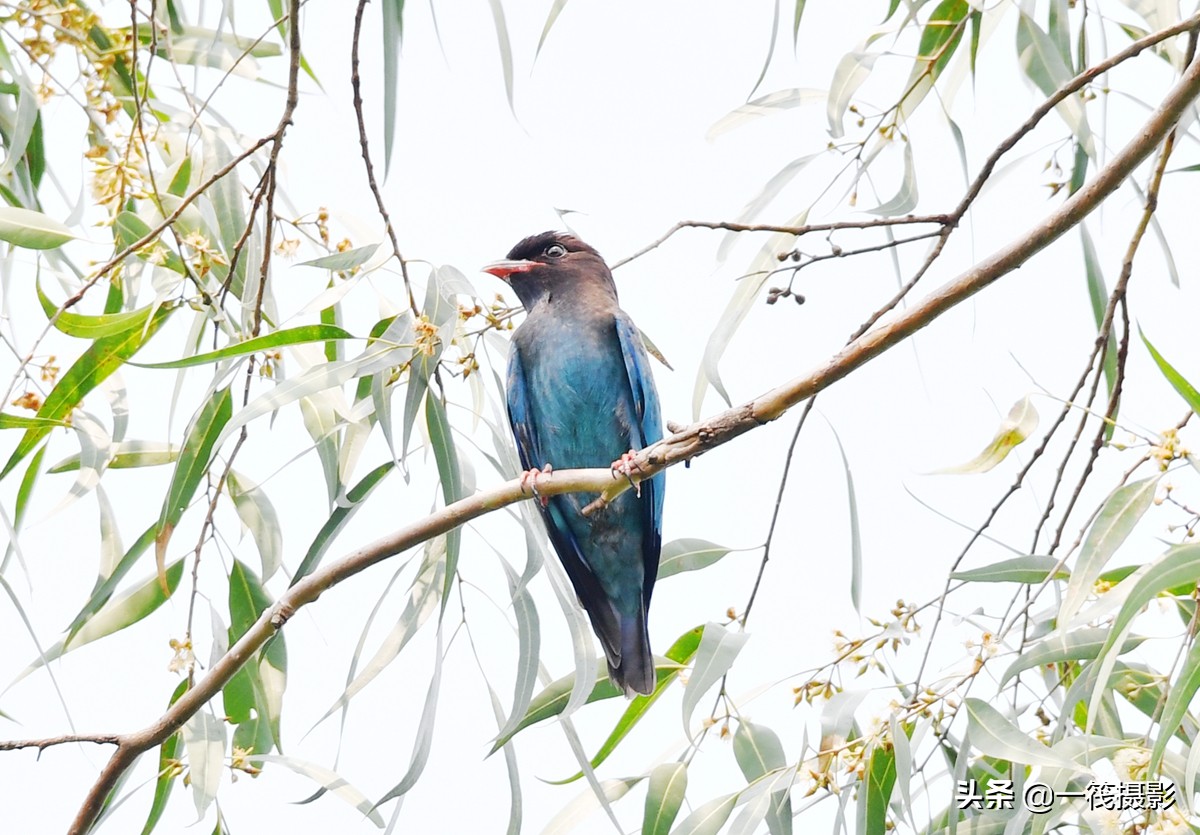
(32, 230)
(343, 261)
(1098, 296)
(275, 339)
(126, 455)
(996, 736)
(168, 771)
(97, 363)
(1117, 517)
(1076, 645)
(680, 652)
(554, 698)
(1021, 422)
(204, 739)
(681, 555)
(329, 780)
(393, 37)
(1028, 570)
(1178, 382)
(338, 520)
(880, 779)
(758, 751)
(91, 327)
(668, 783)
(717, 651)
(195, 455)
(257, 513)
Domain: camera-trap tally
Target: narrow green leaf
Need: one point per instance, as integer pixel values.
(551, 701)
(1076, 645)
(168, 771)
(275, 339)
(880, 780)
(423, 596)
(338, 519)
(1122, 510)
(505, 46)
(91, 327)
(424, 739)
(126, 455)
(1180, 564)
(906, 196)
(708, 818)
(856, 572)
(555, 11)
(668, 783)
(1028, 570)
(194, 458)
(1178, 382)
(32, 230)
(105, 586)
(1178, 700)
(343, 261)
(19, 422)
(796, 16)
(744, 296)
(204, 738)
(942, 34)
(758, 750)
(329, 780)
(681, 652)
(446, 454)
(393, 38)
(94, 365)
(247, 698)
(120, 612)
(1098, 296)
(1044, 66)
(257, 513)
(852, 70)
(681, 555)
(128, 229)
(994, 735)
(718, 649)
(331, 317)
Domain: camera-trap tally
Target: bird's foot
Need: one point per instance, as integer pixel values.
(624, 466)
(529, 482)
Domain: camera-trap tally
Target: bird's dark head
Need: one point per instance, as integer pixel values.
(553, 263)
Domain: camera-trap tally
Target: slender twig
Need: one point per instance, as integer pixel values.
(783, 479)
(66, 739)
(356, 84)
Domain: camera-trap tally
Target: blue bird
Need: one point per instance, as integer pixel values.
(580, 394)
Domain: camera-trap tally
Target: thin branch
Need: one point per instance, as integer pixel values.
(66, 739)
(356, 84)
(798, 231)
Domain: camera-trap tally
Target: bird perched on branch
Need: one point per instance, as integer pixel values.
(580, 394)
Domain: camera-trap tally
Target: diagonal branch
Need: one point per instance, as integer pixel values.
(681, 446)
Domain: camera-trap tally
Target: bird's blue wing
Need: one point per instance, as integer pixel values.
(647, 431)
(524, 425)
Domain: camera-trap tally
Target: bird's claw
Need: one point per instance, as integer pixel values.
(624, 466)
(529, 482)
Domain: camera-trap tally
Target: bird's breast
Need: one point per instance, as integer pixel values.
(579, 390)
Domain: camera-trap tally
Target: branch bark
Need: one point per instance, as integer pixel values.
(681, 446)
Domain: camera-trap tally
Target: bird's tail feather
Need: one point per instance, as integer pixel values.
(634, 671)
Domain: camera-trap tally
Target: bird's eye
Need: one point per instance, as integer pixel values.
(556, 251)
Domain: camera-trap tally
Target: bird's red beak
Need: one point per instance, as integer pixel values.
(504, 269)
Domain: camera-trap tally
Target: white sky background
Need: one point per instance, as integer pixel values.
(612, 122)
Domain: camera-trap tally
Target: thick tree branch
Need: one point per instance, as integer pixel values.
(682, 446)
